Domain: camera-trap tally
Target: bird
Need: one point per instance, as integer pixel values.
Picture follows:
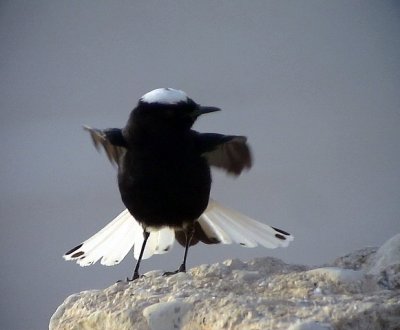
(164, 179)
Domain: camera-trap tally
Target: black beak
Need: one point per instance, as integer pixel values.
(201, 110)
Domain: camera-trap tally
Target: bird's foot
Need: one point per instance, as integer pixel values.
(134, 277)
(170, 273)
(182, 269)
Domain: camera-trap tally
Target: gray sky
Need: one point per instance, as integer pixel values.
(313, 84)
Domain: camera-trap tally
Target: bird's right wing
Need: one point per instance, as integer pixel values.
(111, 140)
(229, 152)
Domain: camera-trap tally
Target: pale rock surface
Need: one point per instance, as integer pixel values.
(385, 264)
(358, 291)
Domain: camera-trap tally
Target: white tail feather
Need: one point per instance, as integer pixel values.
(166, 238)
(231, 226)
(159, 242)
(112, 243)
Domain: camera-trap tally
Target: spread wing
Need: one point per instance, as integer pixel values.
(111, 140)
(229, 152)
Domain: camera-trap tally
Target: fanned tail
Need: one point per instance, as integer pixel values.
(219, 223)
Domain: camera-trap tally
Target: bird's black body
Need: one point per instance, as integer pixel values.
(164, 166)
(164, 179)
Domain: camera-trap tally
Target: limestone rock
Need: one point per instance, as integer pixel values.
(358, 291)
(385, 264)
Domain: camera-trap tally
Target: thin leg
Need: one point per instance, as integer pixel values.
(189, 235)
(136, 272)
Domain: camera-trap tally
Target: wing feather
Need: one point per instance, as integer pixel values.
(228, 152)
(111, 140)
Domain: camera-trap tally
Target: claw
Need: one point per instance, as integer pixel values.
(170, 273)
(135, 277)
(182, 269)
(130, 279)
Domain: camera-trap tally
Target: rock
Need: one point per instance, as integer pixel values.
(166, 315)
(310, 325)
(385, 264)
(356, 260)
(358, 291)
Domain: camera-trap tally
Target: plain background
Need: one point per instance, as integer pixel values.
(313, 84)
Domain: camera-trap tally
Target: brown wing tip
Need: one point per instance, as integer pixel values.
(244, 159)
(94, 135)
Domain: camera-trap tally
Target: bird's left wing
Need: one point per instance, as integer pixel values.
(229, 152)
(111, 140)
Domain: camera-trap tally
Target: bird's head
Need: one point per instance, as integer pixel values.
(167, 109)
